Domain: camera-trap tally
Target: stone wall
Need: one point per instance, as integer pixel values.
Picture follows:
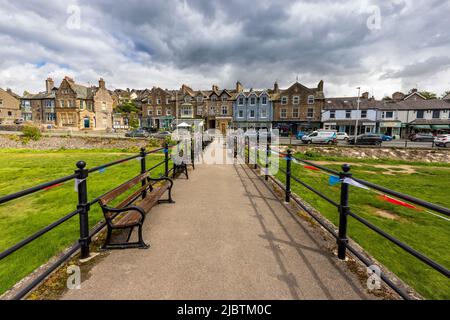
(419, 155)
(55, 143)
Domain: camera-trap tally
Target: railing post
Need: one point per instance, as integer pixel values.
(247, 145)
(267, 158)
(235, 148)
(192, 153)
(288, 175)
(83, 206)
(143, 168)
(256, 151)
(166, 159)
(343, 213)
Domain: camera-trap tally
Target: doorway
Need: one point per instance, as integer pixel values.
(87, 123)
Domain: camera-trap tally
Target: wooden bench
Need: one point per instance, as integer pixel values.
(131, 212)
(181, 167)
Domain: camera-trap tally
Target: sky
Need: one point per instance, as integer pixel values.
(380, 46)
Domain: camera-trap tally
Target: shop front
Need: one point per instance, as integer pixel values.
(289, 128)
(391, 128)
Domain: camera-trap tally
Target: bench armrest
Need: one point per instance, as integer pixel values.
(161, 179)
(120, 210)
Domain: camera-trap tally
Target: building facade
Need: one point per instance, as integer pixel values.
(40, 108)
(158, 108)
(297, 108)
(10, 110)
(218, 109)
(80, 107)
(253, 110)
(348, 113)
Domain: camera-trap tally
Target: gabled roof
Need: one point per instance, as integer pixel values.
(415, 93)
(11, 93)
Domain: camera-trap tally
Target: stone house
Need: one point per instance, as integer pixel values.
(158, 108)
(9, 107)
(218, 108)
(40, 108)
(81, 107)
(297, 108)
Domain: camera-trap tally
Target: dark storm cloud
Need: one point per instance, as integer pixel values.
(165, 42)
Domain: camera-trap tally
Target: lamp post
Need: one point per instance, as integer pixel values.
(357, 113)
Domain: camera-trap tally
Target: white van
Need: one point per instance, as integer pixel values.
(323, 137)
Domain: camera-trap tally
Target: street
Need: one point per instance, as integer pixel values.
(393, 144)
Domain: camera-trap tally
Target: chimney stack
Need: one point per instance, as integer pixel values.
(215, 87)
(365, 96)
(276, 88)
(101, 83)
(49, 85)
(320, 86)
(239, 87)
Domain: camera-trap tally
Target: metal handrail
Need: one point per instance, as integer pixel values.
(344, 211)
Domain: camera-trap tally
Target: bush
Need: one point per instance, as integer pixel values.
(31, 133)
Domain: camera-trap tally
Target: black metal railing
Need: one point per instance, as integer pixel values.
(83, 207)
(343, 208)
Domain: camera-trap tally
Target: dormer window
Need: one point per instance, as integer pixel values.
(284, 100)
(264, 100)
(224, 98)
(241, 101)
(252, 101)
(199, 99)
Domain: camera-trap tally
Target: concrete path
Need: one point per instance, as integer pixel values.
(227, 237)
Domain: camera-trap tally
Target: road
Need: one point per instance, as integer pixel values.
(395, 143)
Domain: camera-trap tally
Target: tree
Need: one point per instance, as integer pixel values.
(128, 108)
(428, 94)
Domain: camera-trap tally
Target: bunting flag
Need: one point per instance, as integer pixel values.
(397, 202)
(311, 168)
(354, 183)
(53, 186)
(77, 182)
(334, 180)
(102, 170)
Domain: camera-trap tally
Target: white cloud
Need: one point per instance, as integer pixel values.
(166, 43)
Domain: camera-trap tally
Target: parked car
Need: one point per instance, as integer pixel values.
(300, 135)
(324, 137)
(442, 140)
(342, 136)
(422, 137)
(161, 135)
(367, 139)
(386, 137)
(139, 133)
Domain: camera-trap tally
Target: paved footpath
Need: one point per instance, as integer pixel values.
(227, 237)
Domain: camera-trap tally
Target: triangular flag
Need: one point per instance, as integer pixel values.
(354, 183)
(53, 186)
(334, 180)
(397, 202)
(311, 168)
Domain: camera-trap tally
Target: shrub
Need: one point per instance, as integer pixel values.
(31, 133)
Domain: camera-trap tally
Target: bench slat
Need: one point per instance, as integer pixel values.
(107, 198)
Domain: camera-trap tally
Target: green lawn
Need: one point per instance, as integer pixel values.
(23, 217)
(417, 228)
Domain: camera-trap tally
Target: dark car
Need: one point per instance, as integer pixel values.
(422, 137)
(367, 139)
(137, 134)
